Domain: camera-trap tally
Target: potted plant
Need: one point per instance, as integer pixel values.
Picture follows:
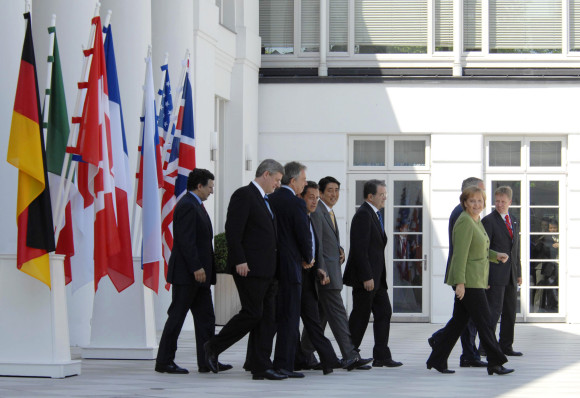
(227, 301)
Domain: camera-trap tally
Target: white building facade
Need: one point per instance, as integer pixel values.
(418, 93)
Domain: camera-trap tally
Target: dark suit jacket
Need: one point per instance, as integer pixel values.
(294, 239)
(501, 274)
(251, 233)
(328, 250)
(452, 219)
(192, 243)
(366, 259)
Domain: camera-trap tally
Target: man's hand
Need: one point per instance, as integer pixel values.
(307, 266)
(502, 257)
(519, 281)
(460, 290)
(342, 257)
(242, 269)
(323, 277)
(199, 275)
(369, 285)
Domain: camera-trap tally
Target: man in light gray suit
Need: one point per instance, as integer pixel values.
(330, 256)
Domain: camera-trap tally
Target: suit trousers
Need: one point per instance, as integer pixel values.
(332, 312)
(288, 305)
(474, 305)
(377, 302)
(197, 299)
(502, 301)
(257, 317)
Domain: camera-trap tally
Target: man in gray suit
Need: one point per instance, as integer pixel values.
(330, 257)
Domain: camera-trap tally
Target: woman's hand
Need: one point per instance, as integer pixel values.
(460, 290)
(502, 257)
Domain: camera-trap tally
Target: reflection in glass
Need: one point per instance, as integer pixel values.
(408, 300)
(369, 153)
(407, 273)
(407, 246)
(544, 300)
(505, 153)
(514, 214)
(544, 193)
(359, 193)
(544, 273)
(544, 247)
(408, 193)
(546, 153)
(409, 153)
(516, 187)
(408, 219)
(541, 217)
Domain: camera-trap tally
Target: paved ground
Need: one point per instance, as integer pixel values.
(550, 368)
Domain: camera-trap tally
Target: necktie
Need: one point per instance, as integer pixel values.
(509, 226)
(312, 237)
(381, 219)
(268, 205)
(333, 219)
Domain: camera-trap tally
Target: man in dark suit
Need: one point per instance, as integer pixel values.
(294, 254)
(330, 256)
(504, 278)
(470, 356)
(191, 272)
(252, 245)
(366, 272)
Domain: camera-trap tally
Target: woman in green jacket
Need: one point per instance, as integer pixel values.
(468, 274)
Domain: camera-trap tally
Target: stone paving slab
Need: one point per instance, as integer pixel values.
(550, 368)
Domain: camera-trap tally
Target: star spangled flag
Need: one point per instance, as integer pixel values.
(149, 186)
(26, 152)
(124, 259)
(95, 168)
(57, 132)
(167, 199)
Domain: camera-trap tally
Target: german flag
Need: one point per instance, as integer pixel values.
(26, 153)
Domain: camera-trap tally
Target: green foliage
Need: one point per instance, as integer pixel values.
(221, 253)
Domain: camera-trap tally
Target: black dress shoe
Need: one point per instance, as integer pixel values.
(327, 371)
(269, 374)
(472, 363)
(431, 342)
(308, 366)
(364, 367)
(389, 363)
(222, 367)
(441, 370)
(211, 358)
(512, 353)
(349, 364)
(358, 363)
(499, 370)
(170, 368)
(290, 374)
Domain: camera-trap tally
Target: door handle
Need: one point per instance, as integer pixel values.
(425, 262)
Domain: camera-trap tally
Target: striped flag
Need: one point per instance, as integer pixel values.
(149, 186)
(96, 169)
(26, 153)
(124, 258)
(56, 141)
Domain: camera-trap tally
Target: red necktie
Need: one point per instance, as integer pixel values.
(508, 225)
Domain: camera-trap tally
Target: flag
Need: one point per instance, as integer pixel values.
(149, 185)
(96, 169)
(168, 189)
(123, 261)
(56, 143)
(26, 153)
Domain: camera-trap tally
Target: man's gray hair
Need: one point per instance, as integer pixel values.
(471, 182)
(271, 166)
(292, 170)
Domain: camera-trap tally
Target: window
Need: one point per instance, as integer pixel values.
(338, 25)
(393, 153)
(369, 153)
(574, 10)
(409, 153)
(505, 153)
(472, 25)
(444, 25)
(545, 153)
(528, 153)
(277, 26)
(310, 26)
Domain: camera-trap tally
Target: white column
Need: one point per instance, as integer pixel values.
(457, 37)
(323, 68)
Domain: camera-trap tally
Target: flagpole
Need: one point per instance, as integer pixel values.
(50, 60)
(68, 174)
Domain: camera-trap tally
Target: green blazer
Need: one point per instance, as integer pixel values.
(471, 254)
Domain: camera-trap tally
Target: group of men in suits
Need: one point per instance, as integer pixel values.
(285, 256)
(504, 278)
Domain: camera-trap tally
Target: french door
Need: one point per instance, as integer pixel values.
(407, 227)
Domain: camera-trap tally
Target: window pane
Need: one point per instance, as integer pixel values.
(310, 36)
(369, 153)
(444, 25)
(540, 219)
(544, 273)
(277, 26)
(390, 26)
(407, 300)
(408, 219)
(544, 300)
(359, 194)
(505, 153)
(516, 187)
(517, 26)
(408, 193)
(407, 247)
(408, 273)
(472, 25)
(544, 193)
(545, 153)
(338, 25)
(409, 153)
(574, 25)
